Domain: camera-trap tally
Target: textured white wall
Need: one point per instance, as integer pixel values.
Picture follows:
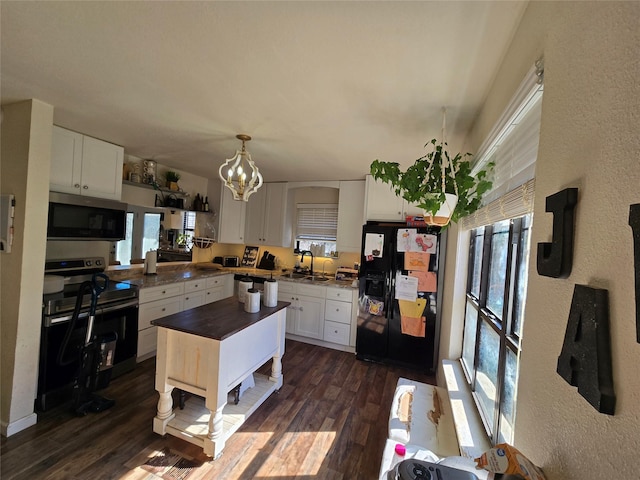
(26, 150)
(590, 140)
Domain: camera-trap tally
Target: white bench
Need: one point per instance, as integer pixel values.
(421, 418)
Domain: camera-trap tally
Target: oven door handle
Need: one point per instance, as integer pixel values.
(53, 320)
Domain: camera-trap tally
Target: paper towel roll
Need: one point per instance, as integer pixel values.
(150, 261)
(252, 301)
(270, 293)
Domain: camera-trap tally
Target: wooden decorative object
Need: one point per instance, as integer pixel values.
(555, 259)
(585, 359)
(634, 222)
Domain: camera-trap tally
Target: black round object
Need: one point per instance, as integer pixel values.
(413, 470)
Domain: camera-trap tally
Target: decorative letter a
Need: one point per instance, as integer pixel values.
(585, 360)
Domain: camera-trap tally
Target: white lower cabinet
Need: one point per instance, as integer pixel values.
(321, 313)
(158, 302)
(218, 288)
(338, 315)
(305, 315)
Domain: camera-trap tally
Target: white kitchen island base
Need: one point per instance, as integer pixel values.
(207, 351)
(192, 423)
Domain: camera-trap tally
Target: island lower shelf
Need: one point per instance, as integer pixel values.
(192, 423)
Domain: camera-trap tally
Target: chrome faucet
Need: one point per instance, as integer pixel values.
(302, 254)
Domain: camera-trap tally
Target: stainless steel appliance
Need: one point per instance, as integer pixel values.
(231, 261)
(74, 217)
(382, 334)
(116, 312)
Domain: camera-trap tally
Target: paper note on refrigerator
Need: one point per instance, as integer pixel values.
(406, 287)
(373, 243)
(412, 321)
(405, 240)
(424, 242)
(417, 261)
(427, 281)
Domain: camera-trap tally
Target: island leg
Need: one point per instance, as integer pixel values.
(165, 412)
(215, 441)
(276, 371)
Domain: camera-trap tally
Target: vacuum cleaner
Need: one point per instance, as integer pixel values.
(95, 355)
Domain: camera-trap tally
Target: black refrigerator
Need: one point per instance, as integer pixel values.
(400, 285)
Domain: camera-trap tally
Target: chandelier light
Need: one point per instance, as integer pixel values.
(234, 173)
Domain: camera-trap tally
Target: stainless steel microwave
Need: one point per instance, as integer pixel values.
(75, 217)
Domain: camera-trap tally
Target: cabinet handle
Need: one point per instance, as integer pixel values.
(337, 309)
(301, 309)
(164, 291)
(187, 298)
(85, 187)
(164, 309)
(76, 185)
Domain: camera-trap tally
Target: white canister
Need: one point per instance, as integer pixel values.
(270, 293)
(150, 262)
(244, 285)
(252, 301)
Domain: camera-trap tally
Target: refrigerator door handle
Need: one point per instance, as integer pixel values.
(389, 296)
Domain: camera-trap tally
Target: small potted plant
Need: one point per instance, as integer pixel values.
(172, 178)
(440, 184)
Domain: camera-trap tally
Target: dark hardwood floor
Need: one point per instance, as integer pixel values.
(329, 421)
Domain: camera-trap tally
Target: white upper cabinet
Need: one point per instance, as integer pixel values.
(265, 219)
(232, 217)
(350, 215)
(85, 166)
(382, 203)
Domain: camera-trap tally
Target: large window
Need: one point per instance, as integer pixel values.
(496, 291)
(499, 260)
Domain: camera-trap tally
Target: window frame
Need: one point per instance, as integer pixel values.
(503, 327)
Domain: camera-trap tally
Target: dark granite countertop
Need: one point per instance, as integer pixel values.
(180, 272)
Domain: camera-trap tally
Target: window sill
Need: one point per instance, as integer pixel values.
(472, 438)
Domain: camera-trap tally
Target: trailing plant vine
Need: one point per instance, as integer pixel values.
(421, 183)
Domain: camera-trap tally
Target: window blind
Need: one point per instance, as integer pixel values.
(513, 148)
(317, 221)
(516, 203)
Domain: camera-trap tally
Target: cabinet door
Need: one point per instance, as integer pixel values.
(101, 169)
(157, 309)
(275, 207)
(160, 292)
(232, 218)
(310, 319)
(254, 219)
(193, 299)
(382, 203)
(292, 310)
(66, 161)
(350, 215)
(214, 294)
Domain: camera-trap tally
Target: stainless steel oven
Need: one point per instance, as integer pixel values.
(116, 313)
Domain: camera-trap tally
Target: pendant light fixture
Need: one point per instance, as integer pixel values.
(234, 173)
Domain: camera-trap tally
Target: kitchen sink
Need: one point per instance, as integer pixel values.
(317, 279)
(296, 275)
(306, 276)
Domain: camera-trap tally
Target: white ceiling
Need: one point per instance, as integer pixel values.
(324, 88)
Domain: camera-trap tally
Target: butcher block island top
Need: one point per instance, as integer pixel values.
(218, 320)
(208, 351)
